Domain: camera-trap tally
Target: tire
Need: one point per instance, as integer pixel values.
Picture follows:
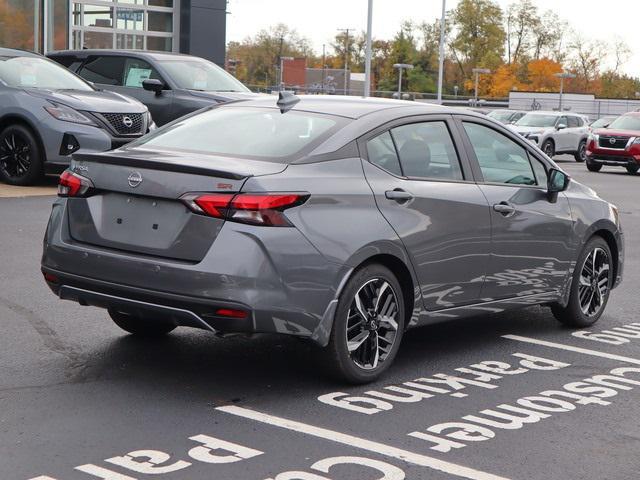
(21, 157)
(549, 148)
(581, 154)
(633, 169)
(585, 306)
(375, 285)
(139, 326)
(593, 167)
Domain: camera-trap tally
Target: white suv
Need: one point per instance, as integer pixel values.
(556, 132)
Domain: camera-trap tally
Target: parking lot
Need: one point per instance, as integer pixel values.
(511, 396)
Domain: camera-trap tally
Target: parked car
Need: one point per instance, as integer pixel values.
(603, 122)
(340, 220)
(169, 84)
(506, 116)
(47, 113)
(556, 133)
(618, 145)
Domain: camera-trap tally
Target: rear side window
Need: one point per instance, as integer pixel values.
(136, 71)
(382, 152)
(106, 70)
(246, 132)
(501, 159)
(426, 151)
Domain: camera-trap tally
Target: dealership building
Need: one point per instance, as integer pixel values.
(197, 27)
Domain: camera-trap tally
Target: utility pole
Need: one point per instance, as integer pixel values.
(441, 59)
(324, 66)
(346, 56)
(562, 76)
(477, 72)
(400, 67)
(368, 53)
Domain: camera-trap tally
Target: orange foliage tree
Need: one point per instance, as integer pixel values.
(541, 75)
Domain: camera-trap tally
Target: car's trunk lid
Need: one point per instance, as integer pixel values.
(136, 204)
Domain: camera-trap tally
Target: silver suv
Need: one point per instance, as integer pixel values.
(47, 113)
(556, 132)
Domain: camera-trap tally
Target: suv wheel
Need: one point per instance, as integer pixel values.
(590, 287)
(21, 158)
(593, 167)
(581, 154)
(140, 326)
(633, 169)
(369, 325)
(549, 148)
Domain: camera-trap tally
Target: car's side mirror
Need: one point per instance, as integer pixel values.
(153, 85)
(558, 182)
(561, 126)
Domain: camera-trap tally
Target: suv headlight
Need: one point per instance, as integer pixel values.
(594, 136)
(151, 125)
(636, 141)
(68, 114)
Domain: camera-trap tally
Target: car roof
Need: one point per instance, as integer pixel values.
(131, 53)
(15, 52)
(554, 113)
(347, 106)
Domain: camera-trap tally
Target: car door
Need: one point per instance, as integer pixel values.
(574, 132)
(562, 136)
(531, 231)
(425, 190)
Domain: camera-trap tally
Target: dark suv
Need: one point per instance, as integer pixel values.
(618, 145)
(169, 84)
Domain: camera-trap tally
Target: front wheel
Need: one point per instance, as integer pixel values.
(21, 158)
(368, 326)
(581, 154)
(140, 326)
(633, 169)
(590, 286)
(593, 167)
(549, 148)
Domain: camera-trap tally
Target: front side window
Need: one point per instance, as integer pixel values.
(501, 159)
(382, 152)
(106, 70)
(574, 122)
(195, 74)
(36, 72)
(137, 71)
(426, 151)
(245, 132)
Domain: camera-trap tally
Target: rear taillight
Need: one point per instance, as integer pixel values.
(73, 185)
(265, 209)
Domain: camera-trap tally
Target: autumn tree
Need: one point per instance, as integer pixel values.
(541, 75)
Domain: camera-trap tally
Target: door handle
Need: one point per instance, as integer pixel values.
(505, 209)
(398, 195)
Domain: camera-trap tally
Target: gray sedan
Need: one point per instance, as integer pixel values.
(338, 220)
(47, 113)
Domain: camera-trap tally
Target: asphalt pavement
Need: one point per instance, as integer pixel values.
(504, 396)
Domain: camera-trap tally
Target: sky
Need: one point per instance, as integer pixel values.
(318, 20)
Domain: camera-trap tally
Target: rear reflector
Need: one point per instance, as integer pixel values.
(265, 209)
(231, 313)
(73, 185)
(49, 277)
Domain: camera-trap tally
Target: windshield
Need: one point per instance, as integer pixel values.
(536, 120)
(194, 74)
(246, 132)
(35, 72)
(501, 116)
(626, 122)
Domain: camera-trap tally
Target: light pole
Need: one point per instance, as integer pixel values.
(400, 67)
(367, 59)
(346, 55)
(282, 59)
(477, 72)
(441, 59)
(562, 76)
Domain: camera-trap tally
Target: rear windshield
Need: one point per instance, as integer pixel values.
(501, 116)
(247, 132)
(626, 122)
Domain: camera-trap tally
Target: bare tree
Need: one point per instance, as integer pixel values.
(522, 21)
(588, 58)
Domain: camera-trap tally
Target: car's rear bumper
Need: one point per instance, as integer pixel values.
(274, 274)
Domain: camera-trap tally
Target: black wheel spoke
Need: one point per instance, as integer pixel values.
(593, 285)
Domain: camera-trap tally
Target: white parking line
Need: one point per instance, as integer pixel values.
(571, 348)
(361, 443)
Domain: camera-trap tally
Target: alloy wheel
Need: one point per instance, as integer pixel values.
(15, 155)
(548, 149)
(594, 282)
(582, 152)
(372, 326)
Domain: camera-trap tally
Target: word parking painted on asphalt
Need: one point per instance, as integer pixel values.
(614, 336)
(374, 401)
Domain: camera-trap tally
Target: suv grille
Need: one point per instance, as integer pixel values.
(613, 141)
(125, 123)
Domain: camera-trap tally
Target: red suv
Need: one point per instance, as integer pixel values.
(617, 145)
